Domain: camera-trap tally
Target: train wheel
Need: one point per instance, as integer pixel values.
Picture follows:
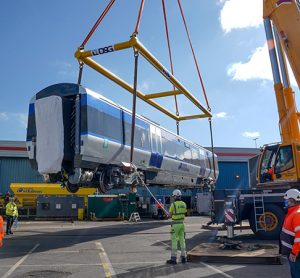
(72, 188)
(270, 223)
(103, 182)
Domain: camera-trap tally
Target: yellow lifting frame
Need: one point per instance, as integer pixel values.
(83, 56)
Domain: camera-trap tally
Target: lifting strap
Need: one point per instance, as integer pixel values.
(90, 34)
(194, 56)
(97, 23)
(171, 62)
(212, 146)
(136, 30)
(136, 56)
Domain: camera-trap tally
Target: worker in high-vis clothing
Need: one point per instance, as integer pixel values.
(177, 212)
(290, 233)
(11, 214)
(1, 231)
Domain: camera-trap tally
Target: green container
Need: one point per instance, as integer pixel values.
(111, 206)
(103, 206)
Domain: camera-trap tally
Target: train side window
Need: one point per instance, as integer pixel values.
(195, 157)
(141, 138)
(168, 144)
(202, 162)
(284, 160)
(111, 127)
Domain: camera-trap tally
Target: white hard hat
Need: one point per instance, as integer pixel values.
(176, 193)
(292, 194)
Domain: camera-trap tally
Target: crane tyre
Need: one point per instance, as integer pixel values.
(274, 216)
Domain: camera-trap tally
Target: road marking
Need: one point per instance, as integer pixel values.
(204, 264)
(59, 265)
(107, 266)
(17, 264)
(216, 270)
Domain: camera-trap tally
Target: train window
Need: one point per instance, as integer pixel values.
(103, 124)
(195, 157)
(141, 138)
(180, 151)
(156, 138)
(112, 127)
(170, 149)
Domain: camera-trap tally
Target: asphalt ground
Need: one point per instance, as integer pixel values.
(115, 249)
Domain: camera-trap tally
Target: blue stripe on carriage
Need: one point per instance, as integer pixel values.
(100, 105)
(156, 160)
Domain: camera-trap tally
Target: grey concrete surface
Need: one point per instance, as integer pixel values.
(115, 249)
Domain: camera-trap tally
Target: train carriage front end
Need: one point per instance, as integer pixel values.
(53, 131)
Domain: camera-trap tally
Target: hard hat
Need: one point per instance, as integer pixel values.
(292, 194)
(176, 193)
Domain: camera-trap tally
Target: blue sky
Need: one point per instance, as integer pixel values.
(39, 38)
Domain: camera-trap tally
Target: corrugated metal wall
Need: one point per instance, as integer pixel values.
(233, 175)
(16, 170)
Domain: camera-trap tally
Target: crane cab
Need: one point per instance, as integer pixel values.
(278, 164)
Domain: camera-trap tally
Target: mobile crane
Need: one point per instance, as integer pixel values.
(278, 167)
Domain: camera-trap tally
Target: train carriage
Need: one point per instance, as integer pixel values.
(82, 139)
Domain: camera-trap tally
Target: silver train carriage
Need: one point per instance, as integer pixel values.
(82, 139)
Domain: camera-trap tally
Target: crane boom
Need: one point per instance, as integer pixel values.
(280, 163)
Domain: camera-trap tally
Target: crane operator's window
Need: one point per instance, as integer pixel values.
(284, 159)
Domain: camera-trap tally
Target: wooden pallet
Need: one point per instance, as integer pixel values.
(249, 254)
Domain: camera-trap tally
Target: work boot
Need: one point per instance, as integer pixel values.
(183, 260)
(11, 232)
(172, 261)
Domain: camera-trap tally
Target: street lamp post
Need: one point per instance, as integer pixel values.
(255, 141)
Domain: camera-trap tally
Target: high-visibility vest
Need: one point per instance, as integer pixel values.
(178, 211)
(1, 230)
(11, 209)
(290, 233)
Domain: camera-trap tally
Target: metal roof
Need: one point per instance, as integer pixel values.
(235, 154)
(13, 149)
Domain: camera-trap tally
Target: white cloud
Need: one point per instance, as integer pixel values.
(65, 68)
(145, 86)
(252, 135)
(21, 118)
(221, 115)
(3, 116)
(257, 67)
(237, 14)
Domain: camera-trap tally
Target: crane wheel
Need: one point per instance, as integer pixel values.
(269, 225)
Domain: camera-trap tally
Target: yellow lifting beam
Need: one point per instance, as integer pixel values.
(84, 56)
